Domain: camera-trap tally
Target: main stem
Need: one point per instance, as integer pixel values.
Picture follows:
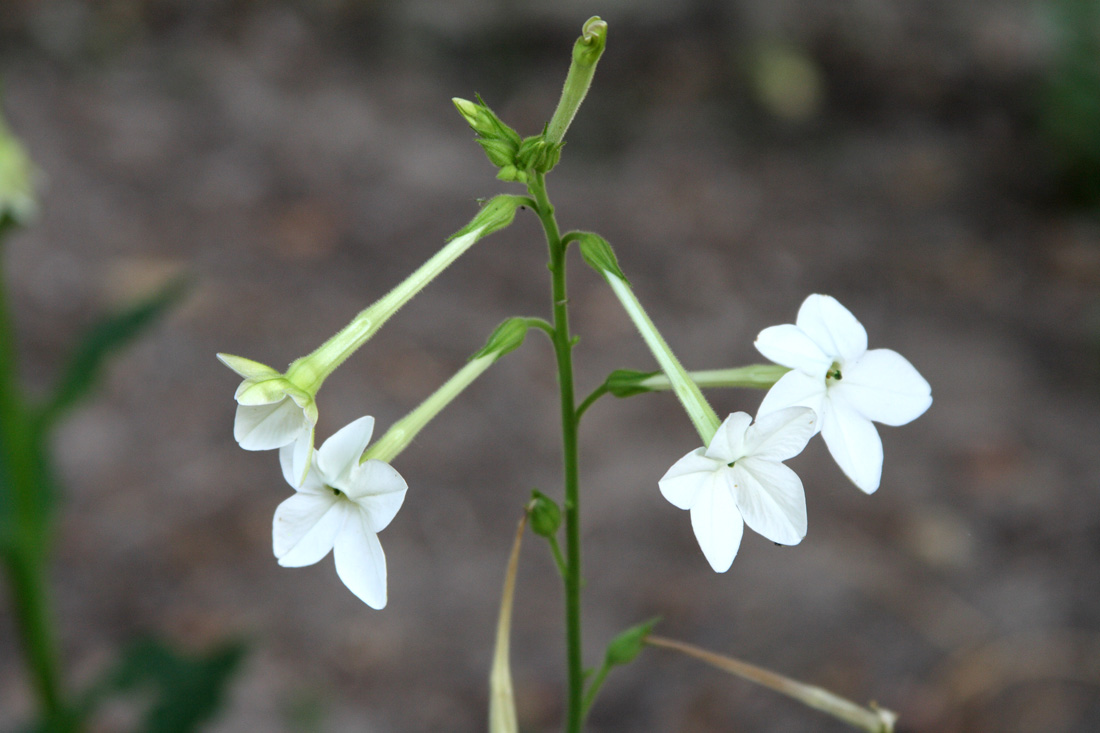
(563, 350)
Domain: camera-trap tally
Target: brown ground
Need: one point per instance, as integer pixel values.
(301, 159)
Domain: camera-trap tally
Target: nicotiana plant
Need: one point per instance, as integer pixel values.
(823, 380)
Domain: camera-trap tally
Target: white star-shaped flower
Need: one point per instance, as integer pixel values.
(341, 506)
(740, 479)
(848, 386)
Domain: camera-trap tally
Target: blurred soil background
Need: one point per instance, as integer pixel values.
(927, 162)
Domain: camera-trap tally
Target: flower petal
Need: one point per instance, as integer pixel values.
(854, 444)
(266, 427)
(782, 434)
(247, 368)
(771, 499)
(832, 327)
(301, 454)
(305, 527)
(794, 389)
(792, 347)
(311, 482)
(360, 562)
(728, 443)
(688, 477)
(718, 526)
(379, 490)
(341, 452)
(883, 386)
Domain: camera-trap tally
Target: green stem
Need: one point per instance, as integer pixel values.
(590, 399)
(30, 596)
(563, 350)
(559, 559)
(23, 533)
(594, 686)
(542, 326)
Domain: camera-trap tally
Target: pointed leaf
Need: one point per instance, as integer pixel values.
(103, 339)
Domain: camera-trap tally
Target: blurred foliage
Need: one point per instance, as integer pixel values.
(111, 333)
(186, 691)
(1070, 116)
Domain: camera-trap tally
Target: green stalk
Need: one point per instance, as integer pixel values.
(23, 534)
(563, 350)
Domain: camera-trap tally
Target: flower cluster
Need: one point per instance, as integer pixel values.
(835, 386)
(832, 384)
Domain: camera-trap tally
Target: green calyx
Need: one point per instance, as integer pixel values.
(497, 213)
(506, 338)
(598, 254)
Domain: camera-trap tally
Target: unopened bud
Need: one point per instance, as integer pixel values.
(544, 514)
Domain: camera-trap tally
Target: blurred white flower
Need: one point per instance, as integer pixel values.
(341, 506)
(848, 386)
(740, 479)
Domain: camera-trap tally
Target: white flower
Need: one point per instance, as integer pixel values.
(341, 506)
(272, 412)
(848, 386)
(740, 479)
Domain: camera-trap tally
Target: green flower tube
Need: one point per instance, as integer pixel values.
(598, 254)
(506, 338)
(276, 409)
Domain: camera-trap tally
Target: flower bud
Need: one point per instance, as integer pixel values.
(499, 141)
(589, 47)
(544, 514)
(510, 174)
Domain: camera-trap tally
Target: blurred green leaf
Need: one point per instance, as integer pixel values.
(1070, 116)
(187, 690)
(104, 338)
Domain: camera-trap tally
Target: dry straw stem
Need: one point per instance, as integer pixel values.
(873, 719)
(502, 701)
